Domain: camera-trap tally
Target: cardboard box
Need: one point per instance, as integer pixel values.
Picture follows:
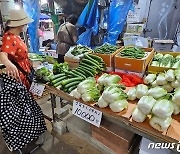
(161, 69)
(73, 63)
(140, 74)
(135, 65)
(116, 138)
(108, 58)
(163, 45)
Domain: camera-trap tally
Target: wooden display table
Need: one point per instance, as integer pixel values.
(124, 119)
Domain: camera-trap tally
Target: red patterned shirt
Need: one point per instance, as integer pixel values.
(17, 50)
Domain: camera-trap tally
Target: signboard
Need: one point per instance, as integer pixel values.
(37, 89)
(87, 113)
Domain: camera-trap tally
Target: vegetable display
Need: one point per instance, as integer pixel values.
(115, 97)
(87, 90)
(43, 75)
(106, 49)
(166, 60)
(67, 80)
(60, 68)
(132, 52)
(78, 52)
(34, 57)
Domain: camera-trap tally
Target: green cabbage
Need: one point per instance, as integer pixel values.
(138, 116)
(163, 108)
(160, 124)
(113, 93)
(119, 105)
(157, 92)
(145, 104)
(150, 78)
(91, 94)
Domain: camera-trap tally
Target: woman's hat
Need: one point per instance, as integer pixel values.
(19, 18)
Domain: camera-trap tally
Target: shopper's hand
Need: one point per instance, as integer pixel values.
(12, 71)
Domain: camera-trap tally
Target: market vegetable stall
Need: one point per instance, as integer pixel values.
(124, 99)
(124, 119)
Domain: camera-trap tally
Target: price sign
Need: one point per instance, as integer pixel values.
(37, 89)
(87, 113)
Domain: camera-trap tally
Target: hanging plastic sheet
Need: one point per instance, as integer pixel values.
(117, 16)
(32, 9)
(89, 19)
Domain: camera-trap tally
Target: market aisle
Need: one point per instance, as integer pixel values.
(52, 145)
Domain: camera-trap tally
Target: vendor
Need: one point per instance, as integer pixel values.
(13, 50)
(67, 37)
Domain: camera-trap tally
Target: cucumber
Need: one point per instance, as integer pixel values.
(58, 80)
(89, 69)
(99, 59)
(64, 82)
(86, 71)
(86, 65)
(78, 73)
(57, 84)
(71, 88)
(81, 71)
(75, 83)
(71, 73)
(90, 62)
(57, 76)
(89, 58)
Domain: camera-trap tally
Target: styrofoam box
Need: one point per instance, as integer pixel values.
(144, 148)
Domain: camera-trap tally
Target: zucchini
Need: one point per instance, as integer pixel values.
(86, 71)
(90, 62)
(57, 76)
(78, 73)
(64, 82)
(75, 83)
(99, 59)
(59, 79)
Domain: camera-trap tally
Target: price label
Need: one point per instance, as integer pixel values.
(87, 113)
(37, 89)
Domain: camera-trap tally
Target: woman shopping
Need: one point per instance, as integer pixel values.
(67, 37)
(21, 119)
(14, 52)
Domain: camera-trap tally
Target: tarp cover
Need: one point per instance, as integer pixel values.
(32, 9)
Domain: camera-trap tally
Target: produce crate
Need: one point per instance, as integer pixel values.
(135, 65)
(161, 69)
(116, 138)
(73, 63)
(108, 59)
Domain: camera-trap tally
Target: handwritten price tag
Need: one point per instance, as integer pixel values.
(37, 89)
(87, 113)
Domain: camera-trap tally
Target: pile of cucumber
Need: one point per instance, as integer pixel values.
(90, 66)
(132, 52)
